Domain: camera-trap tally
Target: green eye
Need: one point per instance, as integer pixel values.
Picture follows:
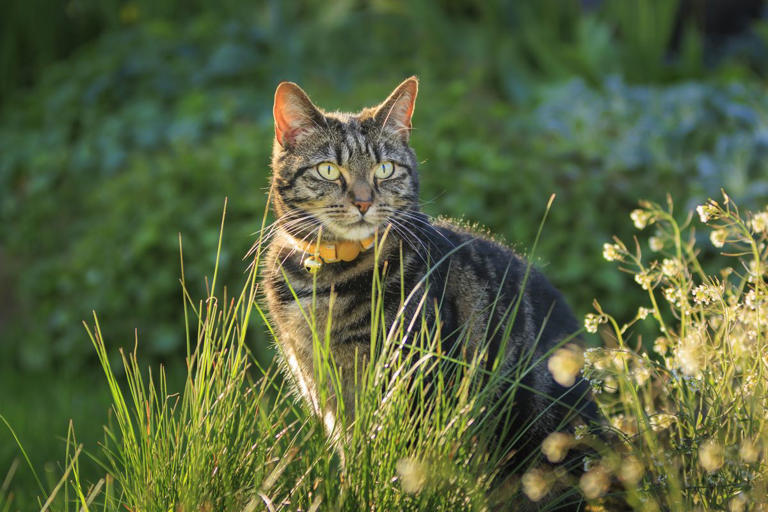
(384, 170)
(328, 171)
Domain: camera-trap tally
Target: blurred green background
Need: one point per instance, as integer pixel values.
(124, 123)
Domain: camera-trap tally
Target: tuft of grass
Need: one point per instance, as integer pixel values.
(236, 438)
(686, 426)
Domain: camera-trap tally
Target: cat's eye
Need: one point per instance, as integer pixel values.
(328, 171)
(384, 170)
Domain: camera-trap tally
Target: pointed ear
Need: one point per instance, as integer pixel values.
(295, 115)
(396, 111)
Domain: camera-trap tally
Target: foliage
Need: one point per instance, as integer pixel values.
(690, 420)
(132, 142)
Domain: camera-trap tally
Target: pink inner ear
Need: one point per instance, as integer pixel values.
(399, 117)
(290, 117)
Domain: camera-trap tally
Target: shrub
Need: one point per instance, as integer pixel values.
(690, 418)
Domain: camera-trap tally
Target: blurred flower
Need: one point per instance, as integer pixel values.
(556, 446)
(749, 451)
(631, 470)
(670, 267)
(759, 222)
(707, 211)
(642, 312)
(656, 243)
(641, 373)
(625, 424)
(711, 455)
(661, 345)
(662, 421)
(704, 294)
(594, 483)
(738, 503)
(690, 354)
(644, 279)
(718, 237)
(565, 364)
(536, 484)
(611, 252)
(641, 218)
(412, 474)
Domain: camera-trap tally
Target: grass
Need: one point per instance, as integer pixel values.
(685, 427)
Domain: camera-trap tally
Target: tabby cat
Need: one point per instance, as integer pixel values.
(340, 177)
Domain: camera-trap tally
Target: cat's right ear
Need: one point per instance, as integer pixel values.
(295, 115)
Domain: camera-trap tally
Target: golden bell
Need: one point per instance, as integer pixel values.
(312, 264)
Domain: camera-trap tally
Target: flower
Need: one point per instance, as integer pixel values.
(661, 345)
(711, 455)
(644, 279)
(594, 483)
(656, 243)
(749, 451)
(670, 267)
(707, 211)
(631, 470)
(759, 222)
(718, 237)
(704, 294)
(611, 252)
(565, 364)
(642, 312)
(641, 218)
(625, 424)
(536, 484)
(412, 473)
(690, 357)
(556, 446)
(591, 322)
(662, 421)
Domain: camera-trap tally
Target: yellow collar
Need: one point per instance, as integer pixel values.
(319, 253)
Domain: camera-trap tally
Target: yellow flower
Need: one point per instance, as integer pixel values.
(594, 483)
(640, 218)
(749, 451)
(592, 321)
(556, 446)
(536, 484)
(711, 455)
(670, 267)
(412, 474)
(611, 252)
(565, 364)
(644, 279)
(718, 237)
(759, 222)
(631, 471)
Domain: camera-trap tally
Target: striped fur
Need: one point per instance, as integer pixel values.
(477, 271)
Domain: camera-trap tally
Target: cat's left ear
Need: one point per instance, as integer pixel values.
(396, 111)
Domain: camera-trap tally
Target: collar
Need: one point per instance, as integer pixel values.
(320, 253)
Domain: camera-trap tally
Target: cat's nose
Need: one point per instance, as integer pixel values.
(363, 204)
(361, 195)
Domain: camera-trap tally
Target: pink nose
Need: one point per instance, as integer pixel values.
(362, 205)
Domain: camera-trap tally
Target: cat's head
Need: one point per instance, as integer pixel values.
(347, 173)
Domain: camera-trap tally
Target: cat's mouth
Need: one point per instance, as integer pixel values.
(357, 230)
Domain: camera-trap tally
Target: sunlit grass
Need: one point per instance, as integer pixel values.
(685, 426)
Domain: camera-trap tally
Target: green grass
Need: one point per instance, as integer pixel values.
(685, 428)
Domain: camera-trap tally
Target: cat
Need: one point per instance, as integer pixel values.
(342, 177)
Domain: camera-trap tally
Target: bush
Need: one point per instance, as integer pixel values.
(690, 417)
(142, 135)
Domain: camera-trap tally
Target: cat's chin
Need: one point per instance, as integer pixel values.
(357, 231)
